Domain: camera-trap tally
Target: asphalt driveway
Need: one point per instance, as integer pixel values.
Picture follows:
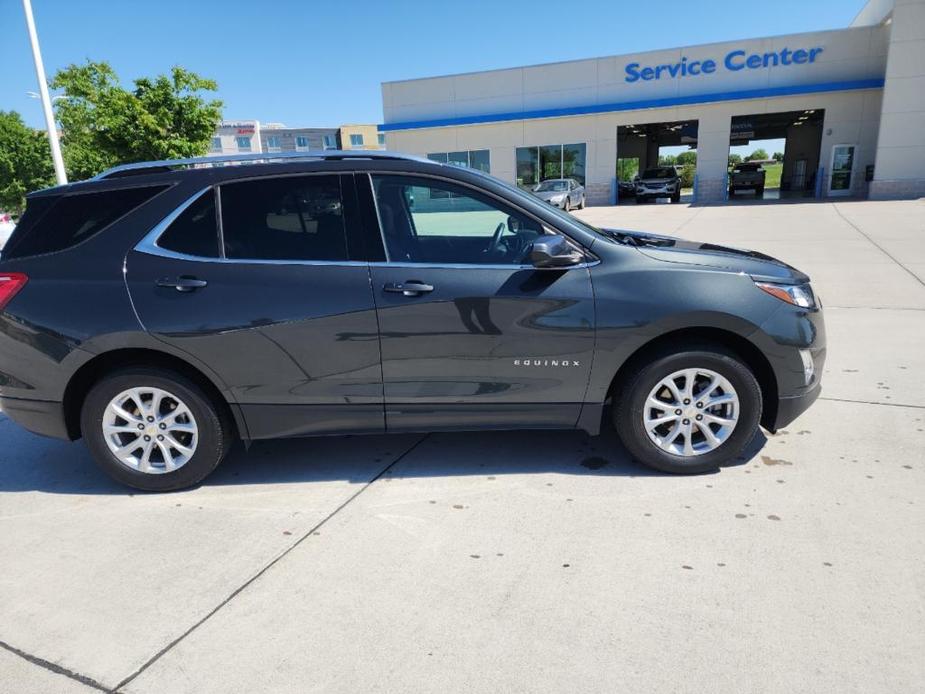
(528, 561)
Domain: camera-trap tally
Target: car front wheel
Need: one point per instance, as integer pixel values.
(688, 411)
(153, 429)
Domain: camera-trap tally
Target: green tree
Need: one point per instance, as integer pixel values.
(667, 160)
(778, 156)
(689, 157)
(757, 155)
(104, 124)
(687, 175)
(25, 162)
(735, 159)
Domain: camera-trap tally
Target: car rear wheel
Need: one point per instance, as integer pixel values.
(568, 205)
(688, 411)
(154, 430)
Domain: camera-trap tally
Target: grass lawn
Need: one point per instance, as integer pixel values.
(772, 175)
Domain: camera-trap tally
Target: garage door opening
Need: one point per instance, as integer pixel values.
(774, 156)
(650, 155)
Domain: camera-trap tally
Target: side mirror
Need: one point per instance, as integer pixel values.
(554, 251)
(513, 225)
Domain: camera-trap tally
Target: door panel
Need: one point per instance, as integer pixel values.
(487, 347)
(279, 311)
(296, 345)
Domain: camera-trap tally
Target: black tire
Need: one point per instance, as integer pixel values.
(732, 192)
(216, 431)
(759, 192)
(581, 203)
(640, 200)
(676, 198)
(629, 403)
(568, 205)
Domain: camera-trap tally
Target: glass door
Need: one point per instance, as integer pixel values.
(842, 163)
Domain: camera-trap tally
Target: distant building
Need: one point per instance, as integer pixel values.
(361, 137)
(279, 138)
(248, 136)
(236, 137)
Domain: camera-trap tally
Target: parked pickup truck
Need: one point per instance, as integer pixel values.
(747, 176)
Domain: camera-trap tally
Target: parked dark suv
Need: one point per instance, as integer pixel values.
(163, 310)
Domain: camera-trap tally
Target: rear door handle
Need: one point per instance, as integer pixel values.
(409, 288)
(184, 283)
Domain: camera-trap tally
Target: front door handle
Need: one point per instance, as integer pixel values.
(409, 288)
(185, 283)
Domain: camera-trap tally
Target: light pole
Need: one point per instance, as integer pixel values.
(43, 92)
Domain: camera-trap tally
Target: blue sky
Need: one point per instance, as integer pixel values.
(307, 63)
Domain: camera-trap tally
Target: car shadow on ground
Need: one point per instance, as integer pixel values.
(31, 463)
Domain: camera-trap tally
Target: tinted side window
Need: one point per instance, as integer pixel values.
(429, 221)
(194, 231)
(76, 218)
(292, 218)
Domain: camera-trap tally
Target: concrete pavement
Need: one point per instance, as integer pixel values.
(515, 561)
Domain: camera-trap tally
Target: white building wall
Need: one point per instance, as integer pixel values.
(496, 98)
(900, 167)
(850, 117)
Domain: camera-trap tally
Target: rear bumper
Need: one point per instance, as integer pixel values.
(38, 416)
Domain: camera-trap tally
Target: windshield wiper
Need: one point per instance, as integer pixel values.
(621, 237)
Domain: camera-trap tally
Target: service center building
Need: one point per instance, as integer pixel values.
(849, 103)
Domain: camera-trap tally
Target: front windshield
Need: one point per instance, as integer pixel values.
(556, 186)
(660, 172)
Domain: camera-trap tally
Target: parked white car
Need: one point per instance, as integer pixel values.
(6, 229)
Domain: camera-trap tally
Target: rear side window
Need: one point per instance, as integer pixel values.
(194, 231)
(73, 219)
(290, 218)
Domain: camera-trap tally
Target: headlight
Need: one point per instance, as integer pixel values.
(797, 294)
(556, 199)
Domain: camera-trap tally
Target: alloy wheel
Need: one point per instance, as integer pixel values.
(691, 412)
(150, 430)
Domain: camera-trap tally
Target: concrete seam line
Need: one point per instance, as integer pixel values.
(56, 669)
(157, 656)
(879, 247)
(874, 402)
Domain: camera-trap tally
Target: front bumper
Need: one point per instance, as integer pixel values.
(789, 408)
(38, 416)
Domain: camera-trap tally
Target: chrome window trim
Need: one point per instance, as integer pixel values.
(591, 261)
(481, 266)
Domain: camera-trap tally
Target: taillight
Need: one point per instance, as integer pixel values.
(10, 284)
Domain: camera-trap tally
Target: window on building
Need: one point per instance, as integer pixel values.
(291, 218)
(356, 140)
(330, 142)
(273, 144)
(244, 143)
(195, 231)
(429, 221)
(473, 159)
(537, 164)
(216, 145)
(301, 143)
(381, 139)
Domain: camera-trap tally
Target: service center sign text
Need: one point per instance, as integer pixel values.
(734, 61)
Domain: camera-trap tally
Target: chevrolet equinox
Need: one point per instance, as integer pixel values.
(163, 310)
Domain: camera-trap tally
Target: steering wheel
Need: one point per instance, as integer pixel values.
(495, 241)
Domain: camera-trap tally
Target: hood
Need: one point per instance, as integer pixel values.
(547, 195)
(658, 181)
(674, 250)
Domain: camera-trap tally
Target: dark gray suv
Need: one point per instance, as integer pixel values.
(163, 310)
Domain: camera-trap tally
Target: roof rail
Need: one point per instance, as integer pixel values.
(142, 167)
